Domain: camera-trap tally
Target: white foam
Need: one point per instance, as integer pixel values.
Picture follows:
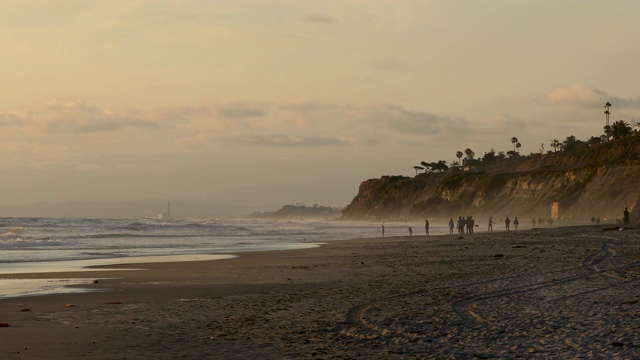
(10, 288)
(83, 265)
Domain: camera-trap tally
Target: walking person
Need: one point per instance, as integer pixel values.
(410, 231)
(382, 230)
(516, 223)
(507, 221)
(426, 226)
(491, 222)
(451, 226)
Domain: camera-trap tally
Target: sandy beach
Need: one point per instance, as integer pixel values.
(542, 293)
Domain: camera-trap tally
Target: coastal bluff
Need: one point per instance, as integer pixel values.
(595, 181)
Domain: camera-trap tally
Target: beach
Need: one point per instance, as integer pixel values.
(541, 293)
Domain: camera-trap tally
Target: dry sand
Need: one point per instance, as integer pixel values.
(561, 293)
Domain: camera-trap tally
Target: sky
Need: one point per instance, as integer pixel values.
(250, 102)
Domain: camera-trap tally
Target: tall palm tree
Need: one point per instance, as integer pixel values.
(606, 116)
(514, 140)
(518, 146)
(459, 155)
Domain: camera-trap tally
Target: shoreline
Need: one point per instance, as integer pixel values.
(560, 292)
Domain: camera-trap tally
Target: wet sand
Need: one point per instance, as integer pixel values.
(541, 293)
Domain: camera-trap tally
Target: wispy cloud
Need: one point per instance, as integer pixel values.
(283, 140)
(578, 95)
(241, 110)
(58, 117)
(412, 122)
(319, 18)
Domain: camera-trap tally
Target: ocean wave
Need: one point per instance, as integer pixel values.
(164, 225)
(25, 242)
(12, 230)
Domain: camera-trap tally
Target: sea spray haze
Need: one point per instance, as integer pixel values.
(46, 239)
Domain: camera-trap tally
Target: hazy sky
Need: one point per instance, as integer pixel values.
(293, 101)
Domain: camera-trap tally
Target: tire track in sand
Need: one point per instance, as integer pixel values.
(468, 311)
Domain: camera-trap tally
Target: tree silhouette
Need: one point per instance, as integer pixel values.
(459, 155)
(514, 140)
(620, 129)
(555, 144)
(518, 146)
(571, 143)
(440, 166)
(418, 168)
(489, 156)
(470, 154)
(607, 132)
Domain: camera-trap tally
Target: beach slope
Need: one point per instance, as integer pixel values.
(544, 293)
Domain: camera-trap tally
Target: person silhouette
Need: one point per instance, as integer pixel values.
(625, 218)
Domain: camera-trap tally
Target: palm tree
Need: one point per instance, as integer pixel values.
(620, 129)
(606, 115)
(555, 144)
(518, 146)
(459, 155)
(514, 140)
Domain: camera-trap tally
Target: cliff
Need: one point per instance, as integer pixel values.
(599, 180)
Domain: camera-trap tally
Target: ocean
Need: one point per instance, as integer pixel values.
(30, 245)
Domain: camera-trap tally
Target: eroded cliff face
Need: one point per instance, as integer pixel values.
(597, 181)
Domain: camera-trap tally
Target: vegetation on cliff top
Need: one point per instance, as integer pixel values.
(299, 211)
(573, 172)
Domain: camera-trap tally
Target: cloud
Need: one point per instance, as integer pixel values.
(319, 18)
(62, 117)
(410, 122)
(9, 119)
(241, 110)
(118, 168)
(579, 96)
(308, 106)
(283, 140)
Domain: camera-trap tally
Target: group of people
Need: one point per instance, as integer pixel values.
(463, 224)
(467, 224)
